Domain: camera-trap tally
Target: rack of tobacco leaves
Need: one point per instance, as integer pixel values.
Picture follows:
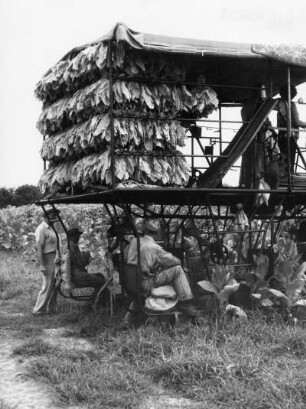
(112, 115)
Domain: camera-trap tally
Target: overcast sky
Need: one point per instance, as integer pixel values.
(35, 34)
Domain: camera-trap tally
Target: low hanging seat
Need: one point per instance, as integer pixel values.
(69, 288)
(131, 282)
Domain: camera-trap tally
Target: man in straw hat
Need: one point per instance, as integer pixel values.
(160, 267)
(46, 249)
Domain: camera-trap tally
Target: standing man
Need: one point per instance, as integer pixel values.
(252, 164)
(282, 118)
(46, 249)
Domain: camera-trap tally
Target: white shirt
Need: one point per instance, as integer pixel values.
(46, 237)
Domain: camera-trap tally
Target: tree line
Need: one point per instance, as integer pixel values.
(22, 195)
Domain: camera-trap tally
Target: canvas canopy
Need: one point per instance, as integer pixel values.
(227, 66)
(291, 54)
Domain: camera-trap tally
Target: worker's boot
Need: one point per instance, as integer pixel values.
(188, 308)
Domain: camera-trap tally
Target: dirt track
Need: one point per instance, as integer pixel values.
(17, 390)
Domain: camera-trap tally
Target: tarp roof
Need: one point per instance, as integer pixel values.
(291, 54)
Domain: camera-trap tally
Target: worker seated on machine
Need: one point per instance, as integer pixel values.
(160, 267)
(75, 262)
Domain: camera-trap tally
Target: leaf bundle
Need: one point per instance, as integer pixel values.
(131, 134)
(130, 98)
(149, 99)
(91, 63)
(95, 169)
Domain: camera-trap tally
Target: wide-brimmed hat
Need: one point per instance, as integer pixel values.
(152, 225)
(74, 232)
(284, 91)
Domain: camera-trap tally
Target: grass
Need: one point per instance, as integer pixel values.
(92, 379)
(33, 348)
(18, 278)
(255, 364)
(4, 405)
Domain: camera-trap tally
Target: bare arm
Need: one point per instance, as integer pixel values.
(296, 118)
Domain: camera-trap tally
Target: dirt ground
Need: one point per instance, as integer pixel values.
(18, 390)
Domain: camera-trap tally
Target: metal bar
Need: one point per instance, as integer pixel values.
(174, 118)
(136, 234)
(272, 231)
(234, 265)
(226, 217)
(220, 130)
(192, 217)
(216, 130)
(59, 218)
(104, 286)
(230, 105)
(215, 228)
(278, 230)
(299, 152)
(179, 226)
(111, 112)
(201, 147)
(258, 235)
(107, 210)
(277, 209)
(285, 129)
(270, 77)
(203, 137)
(192, 152)
(236, 231)
(145, 80)
(161, 155)
(216, 191)
(289, 128)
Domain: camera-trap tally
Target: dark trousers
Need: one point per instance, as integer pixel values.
(283, 146)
